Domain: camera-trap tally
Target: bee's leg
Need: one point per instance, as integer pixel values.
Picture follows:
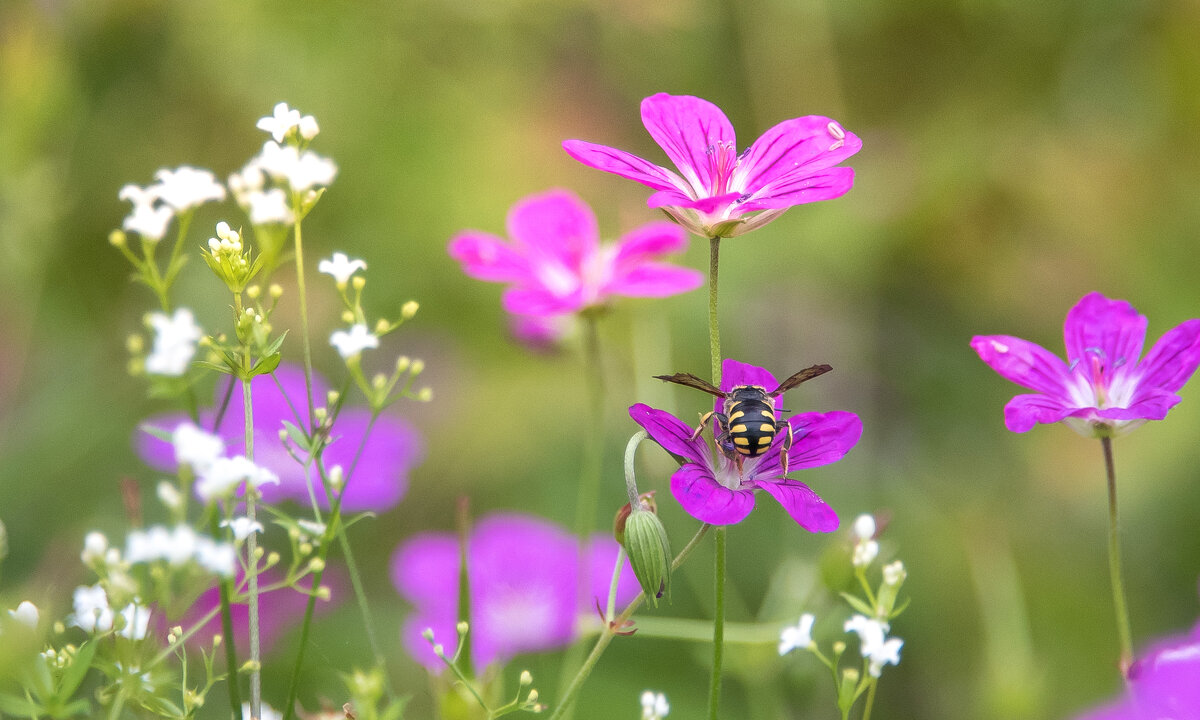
(723, 439)
(703, 422)
(787, 442)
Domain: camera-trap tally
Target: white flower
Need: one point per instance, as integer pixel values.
(92, 612)
(148, 221)
(268, 713)
(308, 127)
(26, 614)
(280, 122)
(301, 171)
(874, 644)
(654, 706)
(138, 195)
(341, 267)
(187, 187)
(242, 527)
(351, 344)
(798, 636)
(864, 527)
(137, 619)
(195, 447)
(312, 528)
(895, 573)
(175, 341)
(178, 547)
(225, 474)
(217, 558)
(269, 208)
(169, 495)
(95, 544)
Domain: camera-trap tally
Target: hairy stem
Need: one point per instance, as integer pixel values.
(1114, 560)
(252, 563)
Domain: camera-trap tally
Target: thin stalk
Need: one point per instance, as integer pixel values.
(714, 328)
(235, 695)
(303, 297)
(252, 563)
(607, 634)
(714, 686)
(870, 701)
(1114, 561)
(714, 345)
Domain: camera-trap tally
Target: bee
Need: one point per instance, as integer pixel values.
(748, 425)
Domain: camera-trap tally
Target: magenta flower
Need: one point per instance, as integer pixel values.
(708, 484)
(556, 264)
(524, 587)
(1102, 387)
(380, 476)
(716, 189)
(1161, 684)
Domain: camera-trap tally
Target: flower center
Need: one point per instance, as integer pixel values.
(722, 161)
(1099, 375)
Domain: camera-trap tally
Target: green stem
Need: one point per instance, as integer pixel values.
(304, 335)
(870, 700)
(252, 561)
(1114, 561)
(607, 634)
(235, 695)
(630, 480)
(589, 480)
(714, 687)
(714, 329)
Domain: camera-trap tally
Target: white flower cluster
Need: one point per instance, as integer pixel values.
(180, 190)
(654, 706)
(283, 120)
(218, 476)
(876, 648)
(866, 549)
(175, 339)
(294, 171)
(93, 614)
(180, 546)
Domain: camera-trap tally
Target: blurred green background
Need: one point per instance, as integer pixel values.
(1017, 155)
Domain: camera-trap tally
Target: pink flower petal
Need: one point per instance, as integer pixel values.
(654, 280)
(800, 146)
(707, 500)
(675, 198)
(670, 432)
(803, 505)
(487, 257)
(688, 129)
(1107, 332)
(425, 568)
(819, 438)
(1024, 411)
(626, 165)
(1173, 358)
(734, 373)
(555, 224)
(649, 242)
(539, 302)
(799, 188)
(1025, 363)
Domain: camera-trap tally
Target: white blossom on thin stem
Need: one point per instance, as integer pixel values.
(341, 267)
(866, 549)
(26, 613)
(302, 171)
(269, 208)
(179, 546)
(225, 474)
(242, 527)
(876, 648)
(798, 636)
(196, 448)
(280, 122)
(351, 344)
(186, 187)
(92, 612)
(148, 221)
(654, 706)
(175, 339)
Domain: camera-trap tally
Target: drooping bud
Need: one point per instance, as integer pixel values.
(649, 549)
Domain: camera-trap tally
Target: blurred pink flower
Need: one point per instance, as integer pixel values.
(1162, 684)
(380, 476)
(709, 485)
(556, 265)
(1103, 387)
(524, 578)
(716, 188)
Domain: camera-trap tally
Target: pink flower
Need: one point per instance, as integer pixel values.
(1162, 684)
(524, 580)
(1102, 387)
(709, 485)
(556, 264)
(716, 189)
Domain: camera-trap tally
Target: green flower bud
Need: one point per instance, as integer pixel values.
(649, 550)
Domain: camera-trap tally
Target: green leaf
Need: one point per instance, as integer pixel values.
(275, 345)
(298, 436)
(214, 366)
(902, 608)
(858, 604)
(19, 706)
(74, 675)
(266, 365)
(79, 707)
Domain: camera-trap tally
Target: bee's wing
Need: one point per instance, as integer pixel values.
(803, 376)
(691, 381)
